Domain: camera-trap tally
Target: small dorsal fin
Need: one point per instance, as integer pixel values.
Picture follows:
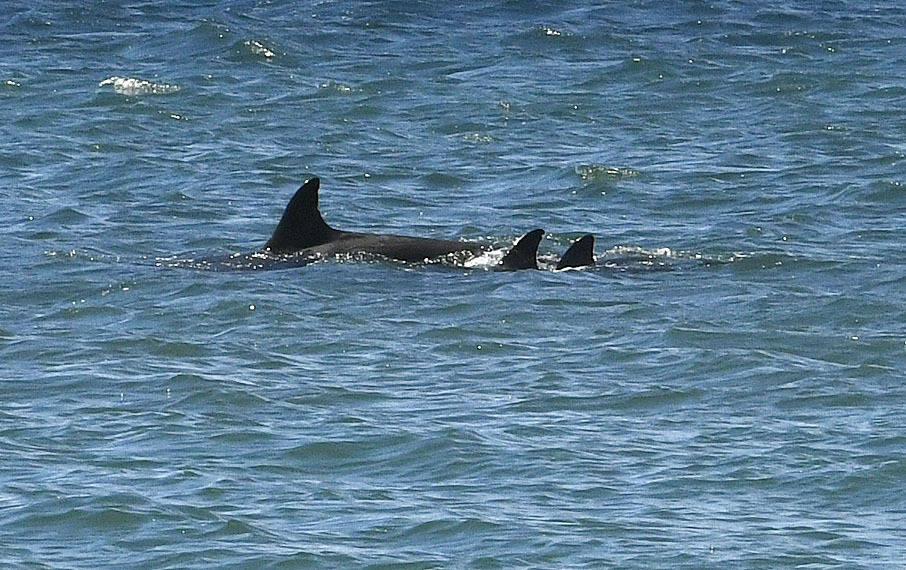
(301, 225)
(580, 253)
(524, 254)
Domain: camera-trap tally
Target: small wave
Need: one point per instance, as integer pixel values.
(888, 192)
(135, 86)
(259, 48)
(591, 172)
(544, 31)
(479, 138)
(542, 37)
(636, 251)
(334, 86)
(630, 258)
(485, 260)
(86, 255)
(668, 253)
(65, 215)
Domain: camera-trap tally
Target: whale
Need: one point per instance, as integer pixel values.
(580, 254)
(303, 236)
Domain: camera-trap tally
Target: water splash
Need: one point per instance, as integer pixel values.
(135, 86)
(592, 172)
(259, 48)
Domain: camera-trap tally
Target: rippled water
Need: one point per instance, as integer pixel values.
(724, 388)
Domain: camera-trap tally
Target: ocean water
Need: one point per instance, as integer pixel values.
(725, 388)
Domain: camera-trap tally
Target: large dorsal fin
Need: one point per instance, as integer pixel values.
(301, 225)
(524, 254)
(580, 254)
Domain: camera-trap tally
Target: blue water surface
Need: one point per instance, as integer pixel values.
(725, 388)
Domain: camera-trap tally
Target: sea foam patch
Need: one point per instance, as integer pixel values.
(135, 86)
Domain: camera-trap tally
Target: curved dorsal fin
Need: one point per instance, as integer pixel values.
(524, 254)
(580, 253)
(301, 225)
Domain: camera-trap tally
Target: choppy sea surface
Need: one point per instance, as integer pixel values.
(725, 388)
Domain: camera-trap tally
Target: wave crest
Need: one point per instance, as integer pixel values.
(135, 86)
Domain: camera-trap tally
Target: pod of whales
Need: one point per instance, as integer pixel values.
(303, 236)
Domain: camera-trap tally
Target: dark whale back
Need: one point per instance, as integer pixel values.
(303, 231)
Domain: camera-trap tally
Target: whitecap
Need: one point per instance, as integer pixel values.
(485, 260)
(135, 86)
(259, 48)
(603, 172)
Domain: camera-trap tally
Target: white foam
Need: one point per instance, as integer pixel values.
(485, 260)
(259, 48)
(135, 86)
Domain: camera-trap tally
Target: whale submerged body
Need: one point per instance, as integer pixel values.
(302, 236)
